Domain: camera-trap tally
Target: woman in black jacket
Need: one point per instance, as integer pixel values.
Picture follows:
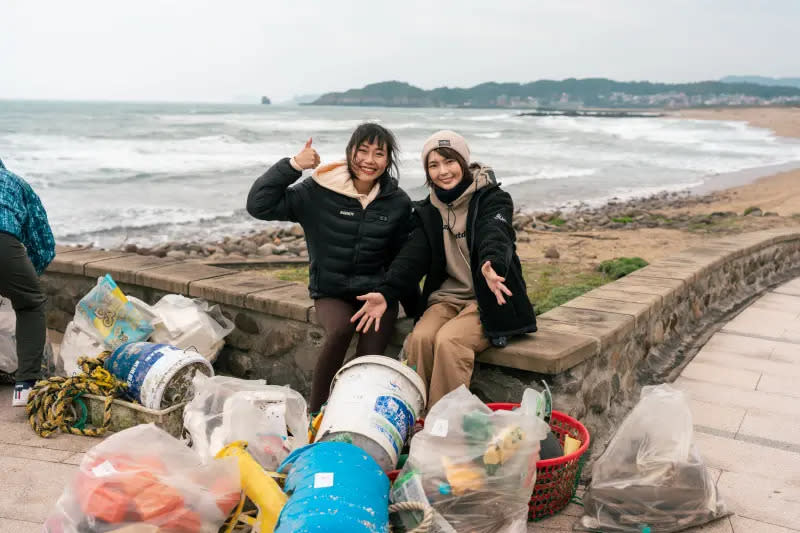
(355, 219)
(463, 243)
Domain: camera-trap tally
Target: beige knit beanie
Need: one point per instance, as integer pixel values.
(445, 139)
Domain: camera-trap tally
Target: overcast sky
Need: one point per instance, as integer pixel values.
(204, 50)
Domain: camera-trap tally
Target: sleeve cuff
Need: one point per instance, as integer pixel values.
(295, 165)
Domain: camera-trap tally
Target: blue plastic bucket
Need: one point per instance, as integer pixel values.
(334, 487)
(157, 375)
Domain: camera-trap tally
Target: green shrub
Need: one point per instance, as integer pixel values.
(621, 266)
(622, 220)
(557, 222)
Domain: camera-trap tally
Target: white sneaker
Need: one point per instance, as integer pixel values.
(21, 393)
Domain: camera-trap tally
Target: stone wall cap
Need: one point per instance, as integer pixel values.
(291, 301)
(124, 269)
(73, 262)
(176, 278)
(234, 289)
(547, 351)
(608, 328)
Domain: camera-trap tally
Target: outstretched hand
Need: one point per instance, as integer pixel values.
(308, 157)
(495, 283)
(373, 309)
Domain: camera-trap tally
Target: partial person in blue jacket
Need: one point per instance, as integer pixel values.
(26, 248)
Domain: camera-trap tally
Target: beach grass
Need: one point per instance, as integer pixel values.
(550, 285)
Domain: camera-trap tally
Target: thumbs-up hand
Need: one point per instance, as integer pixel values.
(308, 157)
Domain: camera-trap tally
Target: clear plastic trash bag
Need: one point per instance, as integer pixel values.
(652, 474)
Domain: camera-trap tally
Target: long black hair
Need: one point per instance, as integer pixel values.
(370, 133)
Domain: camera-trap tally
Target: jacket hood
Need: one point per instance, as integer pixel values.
(336, 177)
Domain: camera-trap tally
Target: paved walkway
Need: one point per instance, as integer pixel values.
(744, 397)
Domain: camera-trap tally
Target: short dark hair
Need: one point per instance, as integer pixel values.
(448, 153)
(370, 133)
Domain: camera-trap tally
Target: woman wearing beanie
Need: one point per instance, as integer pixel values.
(463, 243)
(355, 219)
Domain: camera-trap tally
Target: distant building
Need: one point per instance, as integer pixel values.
(265, 100)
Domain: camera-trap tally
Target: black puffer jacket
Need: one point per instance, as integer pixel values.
(349, 248)
(490, 237)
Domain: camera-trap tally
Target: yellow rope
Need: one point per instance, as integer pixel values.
(48, 405)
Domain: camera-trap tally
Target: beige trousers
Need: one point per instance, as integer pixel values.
(443, 345)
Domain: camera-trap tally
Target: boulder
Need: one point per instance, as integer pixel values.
(552, 253)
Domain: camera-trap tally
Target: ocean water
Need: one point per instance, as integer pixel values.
(111, 173)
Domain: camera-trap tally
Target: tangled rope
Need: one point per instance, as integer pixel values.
(50, 403)
(427, 518)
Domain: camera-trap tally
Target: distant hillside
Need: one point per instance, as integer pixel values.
(763, 80)
(569, 93)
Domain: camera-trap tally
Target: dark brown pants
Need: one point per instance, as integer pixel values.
(334, 315)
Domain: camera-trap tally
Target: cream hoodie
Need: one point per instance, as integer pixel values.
(336, 177)
(458, 288)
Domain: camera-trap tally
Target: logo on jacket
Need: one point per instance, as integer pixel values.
(499, 217)
(347, 213)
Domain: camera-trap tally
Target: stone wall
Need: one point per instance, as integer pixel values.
(595, 351)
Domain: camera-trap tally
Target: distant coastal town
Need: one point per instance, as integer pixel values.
(571, 94)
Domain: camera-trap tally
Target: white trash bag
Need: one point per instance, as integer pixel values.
(77, 342)
(272, 419)
(191, 325)
(651, 474)
(8, 339)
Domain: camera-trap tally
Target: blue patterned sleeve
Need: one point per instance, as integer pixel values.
(37, 235)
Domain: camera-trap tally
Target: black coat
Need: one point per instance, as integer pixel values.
(490, 237)
(350, 248)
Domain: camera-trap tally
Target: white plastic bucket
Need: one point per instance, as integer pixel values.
(374, 404)
(153, 370)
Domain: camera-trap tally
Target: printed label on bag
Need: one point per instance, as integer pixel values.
(323, 480)
(104, 469)
(439, 428)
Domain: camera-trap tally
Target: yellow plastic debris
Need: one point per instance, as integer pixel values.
(258, 486)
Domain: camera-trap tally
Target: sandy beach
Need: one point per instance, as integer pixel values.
(779, 193)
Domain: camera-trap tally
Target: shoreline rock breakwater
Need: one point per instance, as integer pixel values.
(670, 210)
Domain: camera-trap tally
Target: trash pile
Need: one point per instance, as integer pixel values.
(105, 354)
(468, 467)
(106, 318)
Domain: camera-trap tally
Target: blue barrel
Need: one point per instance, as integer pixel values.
(334, 487)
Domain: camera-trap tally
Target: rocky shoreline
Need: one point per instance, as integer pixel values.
(662, 210)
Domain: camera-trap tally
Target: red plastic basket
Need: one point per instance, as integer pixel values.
(556, 479)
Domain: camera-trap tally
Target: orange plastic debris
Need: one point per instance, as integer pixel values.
(182, 521)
